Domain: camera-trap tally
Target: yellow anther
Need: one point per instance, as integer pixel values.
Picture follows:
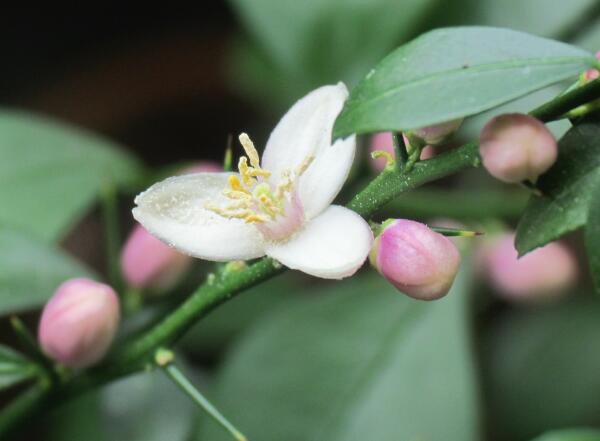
(259, 172)
(250, 150)
(236, 185)
(255, 218)
(234, 194)
(244, 171)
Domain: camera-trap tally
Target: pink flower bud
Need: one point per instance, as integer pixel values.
(543, 273)
(515, 147)
(79, 322)
(437, 133)
(148, 263)
(383, 141)
(418, 261)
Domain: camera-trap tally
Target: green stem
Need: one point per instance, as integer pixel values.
(389, 184)
(400, 154)
(180, 380)
(110, 217)
(558, 107)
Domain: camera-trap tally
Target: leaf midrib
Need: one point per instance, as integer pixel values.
(507, 65)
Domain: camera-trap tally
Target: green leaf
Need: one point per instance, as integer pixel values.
(50, 172)
(359, 362)
(592, 236)
(571, 435)
(567, 189)
(542, 369)
(455, 72)
(14, 368)
(30, 271)
(324, 43)
(144, 407)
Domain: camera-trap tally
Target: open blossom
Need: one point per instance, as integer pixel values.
(515, 147)
(415, 259)
(542, 273)
(280, 206)
(79, 322)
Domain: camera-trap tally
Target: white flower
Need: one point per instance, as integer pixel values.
(280, 208)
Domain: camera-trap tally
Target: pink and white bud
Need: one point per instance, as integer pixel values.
(79, 322)
(436, 134)
(149, 264)
(541, 274)
(384, 142)
(515, 147)
(415, 259)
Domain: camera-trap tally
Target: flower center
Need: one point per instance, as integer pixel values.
(274, 207)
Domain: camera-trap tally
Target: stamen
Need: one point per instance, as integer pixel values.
(252, 199)
(250, 150)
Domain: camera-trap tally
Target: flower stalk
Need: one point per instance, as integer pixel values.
(164, 359)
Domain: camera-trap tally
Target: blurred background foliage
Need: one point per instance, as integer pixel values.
(293, 358)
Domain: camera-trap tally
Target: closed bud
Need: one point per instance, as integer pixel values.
(418, 261)
(436, 134)
(515, 147)
(384, 142)
(540, 274)
(149, 264)
(79, 323)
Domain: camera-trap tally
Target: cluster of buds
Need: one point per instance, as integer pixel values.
(426, 138)
(79, 322)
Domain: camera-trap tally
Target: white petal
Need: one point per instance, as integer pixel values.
(324, 179)
(306, 130)
(332, 246)
(173, 210)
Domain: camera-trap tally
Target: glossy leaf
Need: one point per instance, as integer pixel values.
(30, 271)
(14, 368)
(567, 189)
(360, 362)
(455, 72)
(571, 435)
(51, 172)
(542, 369)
